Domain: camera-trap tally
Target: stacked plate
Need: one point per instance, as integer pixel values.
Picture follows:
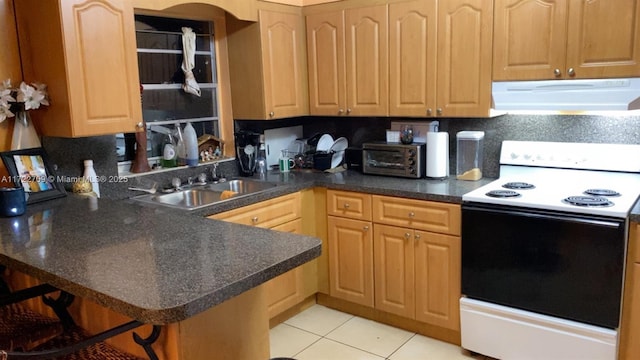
(337, 148)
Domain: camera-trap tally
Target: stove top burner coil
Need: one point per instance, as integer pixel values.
(601, 192)
(502, 194)
(588, 201)
(518, 185)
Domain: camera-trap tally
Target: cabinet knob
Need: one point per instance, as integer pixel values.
(365, 228)
(254, 219)
(417, 237)
(348, 110)
(340, 111)
(412, 214)
(346, 205)
(429, 112)
(271, 114)
(571, 72)
(439, 111)
(407, 236)
(140, 125)
(557, 72)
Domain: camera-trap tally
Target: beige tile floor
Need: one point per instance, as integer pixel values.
(320, 333)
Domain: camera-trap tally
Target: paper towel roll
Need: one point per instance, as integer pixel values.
(437, 154)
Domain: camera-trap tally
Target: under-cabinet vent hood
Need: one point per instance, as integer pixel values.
(568, 95)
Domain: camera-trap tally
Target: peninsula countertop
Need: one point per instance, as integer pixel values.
(153, 264)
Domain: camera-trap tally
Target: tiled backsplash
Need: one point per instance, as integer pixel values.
(68, 154)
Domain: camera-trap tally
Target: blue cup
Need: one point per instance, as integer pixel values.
(12, 201)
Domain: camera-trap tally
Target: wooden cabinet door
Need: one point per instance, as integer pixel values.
(603, 38)
(529, 39)
(286, 290)
(9, 54)
(284, 64)
(326, 62)
(393, 251)
(437, 279)
(85, 52)
(630, 327)
(412, 58)
(350, 260)
(464, 58)
(366, 53)
(630, 324)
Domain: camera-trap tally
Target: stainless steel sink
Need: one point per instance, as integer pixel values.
(241, 186)
(204, 195)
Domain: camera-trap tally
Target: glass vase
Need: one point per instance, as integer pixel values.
(24, 133)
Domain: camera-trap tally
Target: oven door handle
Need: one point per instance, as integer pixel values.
(542, 214)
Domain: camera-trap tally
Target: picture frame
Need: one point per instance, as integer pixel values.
(31, 170)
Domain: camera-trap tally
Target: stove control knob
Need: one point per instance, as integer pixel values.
(514, 156)
(527, 156)
(412, 170)
(411, 161)
(412, 153)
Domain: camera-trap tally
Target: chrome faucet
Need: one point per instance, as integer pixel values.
(175, 182)
(214, 172)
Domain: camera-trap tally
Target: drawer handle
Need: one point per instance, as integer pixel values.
(412, 214)
(346, 205)
(417, 237)
(254, 219)
(365, 228)
(407, 236)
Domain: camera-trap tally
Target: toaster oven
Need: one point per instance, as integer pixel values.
(394, 159)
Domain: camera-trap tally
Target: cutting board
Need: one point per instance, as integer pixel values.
(278, 139)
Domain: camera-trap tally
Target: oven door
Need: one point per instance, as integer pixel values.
(563, 265)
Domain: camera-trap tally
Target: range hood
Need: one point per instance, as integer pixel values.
(568, 95)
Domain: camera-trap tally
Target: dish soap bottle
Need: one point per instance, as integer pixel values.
(90, 174)
(169, 156)
(191, 145)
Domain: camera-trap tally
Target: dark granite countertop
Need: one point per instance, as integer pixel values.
(447, 190)
(161, 265)
(155, 265)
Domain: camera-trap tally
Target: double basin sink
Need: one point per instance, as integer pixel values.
(199, 196)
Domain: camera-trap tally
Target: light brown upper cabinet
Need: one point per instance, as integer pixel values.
(564, 39)
(9, 53)
(267, 66)
(412, 57)
(348, 69)
(439, 59)
(464, 58)
(85, 52)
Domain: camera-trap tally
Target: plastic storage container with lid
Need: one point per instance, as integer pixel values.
(469, 155)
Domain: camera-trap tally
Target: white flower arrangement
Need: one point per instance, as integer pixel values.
(28, 96)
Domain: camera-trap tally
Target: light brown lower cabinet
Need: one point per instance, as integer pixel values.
(282, 214)
(350, 260)
(405, 261)
(630, 327)
(417, 275)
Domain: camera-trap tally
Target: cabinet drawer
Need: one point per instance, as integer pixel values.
(265, 214)
(349, 204)
(417, 214)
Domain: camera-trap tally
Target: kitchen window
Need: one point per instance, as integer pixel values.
(164, 103)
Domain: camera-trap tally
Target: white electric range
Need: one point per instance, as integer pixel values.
(543, 251)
